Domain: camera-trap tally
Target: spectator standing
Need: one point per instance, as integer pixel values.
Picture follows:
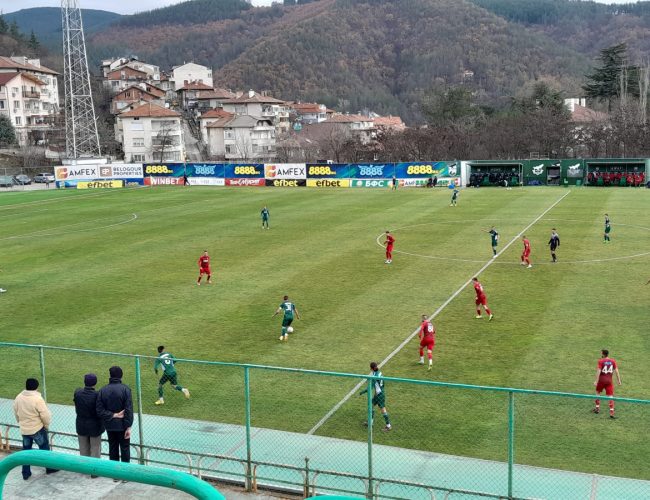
(115, 408)
(33, 417)
(89, 425)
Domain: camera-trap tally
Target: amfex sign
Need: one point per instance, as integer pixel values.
(73, 173)
(285, 171)
(339, 183)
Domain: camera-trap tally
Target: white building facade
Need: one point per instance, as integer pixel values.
(151, 133)
(191, 72)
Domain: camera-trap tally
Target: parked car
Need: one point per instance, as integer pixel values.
(22, 179)
(6, 181)
(44, 177)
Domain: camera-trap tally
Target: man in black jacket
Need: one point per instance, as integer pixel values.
(115, 408)
(89, 426)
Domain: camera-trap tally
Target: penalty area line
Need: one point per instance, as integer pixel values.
(408, 339)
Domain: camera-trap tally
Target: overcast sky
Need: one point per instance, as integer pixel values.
(129, 6)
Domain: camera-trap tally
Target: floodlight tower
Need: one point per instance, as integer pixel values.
(81, 138)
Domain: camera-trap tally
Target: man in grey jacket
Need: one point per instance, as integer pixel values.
(89, 425)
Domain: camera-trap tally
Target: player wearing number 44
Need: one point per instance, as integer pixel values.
(166, 361)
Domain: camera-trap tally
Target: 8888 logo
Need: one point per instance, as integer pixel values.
(420, 170)
(371, 170)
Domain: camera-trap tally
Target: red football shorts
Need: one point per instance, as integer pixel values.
(608, 388)
(482, 300)
(526, 253)
(204, 270)
(428, 342)
(389, 248)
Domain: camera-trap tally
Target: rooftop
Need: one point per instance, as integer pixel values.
(150, 110)
(9, 63)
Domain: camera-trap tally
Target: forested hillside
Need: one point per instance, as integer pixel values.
(585, 26)
(45, 22)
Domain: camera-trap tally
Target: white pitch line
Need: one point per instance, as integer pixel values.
(356, 388)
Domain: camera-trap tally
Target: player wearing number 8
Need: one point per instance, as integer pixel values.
(606, 367)
(166, 361)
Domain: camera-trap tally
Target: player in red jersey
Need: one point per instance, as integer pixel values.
(204, 268)
(481, 300)
(603, 382)
(390, 241)
(427, 336)
(525, 256)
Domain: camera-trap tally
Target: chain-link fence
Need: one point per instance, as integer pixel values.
(310, 432)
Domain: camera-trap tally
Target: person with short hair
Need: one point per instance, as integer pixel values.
(427, 335)
(608, 228)
(454, 198)
(525, 255)
(379, 396)
(554, 243)
(289, 309)
(115, 407)
(389, 243)
(89, 425)
(204, 268)
(494, 237)
(606, 367)
(265, 218)
(33, 417)
(166, 361)
(481, 300)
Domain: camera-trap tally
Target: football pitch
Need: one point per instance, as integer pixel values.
(116, 271)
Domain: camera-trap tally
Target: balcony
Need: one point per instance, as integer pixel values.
(30, 94)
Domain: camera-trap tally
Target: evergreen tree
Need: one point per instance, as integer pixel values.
(7, 132)
(613, 77)
(4, 27)
(33, 43)
(14, 32)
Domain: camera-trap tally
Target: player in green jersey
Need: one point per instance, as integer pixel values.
(290, 311)
(379, 397)
(494, 235)
(454, 198)
(608, 228)
(265, 218)
(166, 361)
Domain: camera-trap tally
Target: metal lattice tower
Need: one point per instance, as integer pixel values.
(81, 138)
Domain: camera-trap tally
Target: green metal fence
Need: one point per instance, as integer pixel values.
(302, 430)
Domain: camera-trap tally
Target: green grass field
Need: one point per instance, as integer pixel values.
(116, 271)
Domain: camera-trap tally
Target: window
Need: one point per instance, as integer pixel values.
(14, 90)
(18, 120)
(229, 149)
(135, 126)
(16, 104)
(137, 158)
(2, 105)
(138, 142)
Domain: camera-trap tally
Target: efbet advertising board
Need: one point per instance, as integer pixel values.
(112, 184)
(328, 183)
(285, 182)
(100, 171)
(426, 169)
(285, 171)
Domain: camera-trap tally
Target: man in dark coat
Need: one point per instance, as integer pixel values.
(89, 426)
(115, 408)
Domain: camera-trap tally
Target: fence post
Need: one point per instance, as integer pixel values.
(247, 399)
(42, 362)
(370, 422)
(511, 439)
(138, 390)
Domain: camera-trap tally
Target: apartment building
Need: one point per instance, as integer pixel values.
(150, 132)
(137, 94)
(29, 97)
(191, 72)
(241, 137)
(254, 104)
